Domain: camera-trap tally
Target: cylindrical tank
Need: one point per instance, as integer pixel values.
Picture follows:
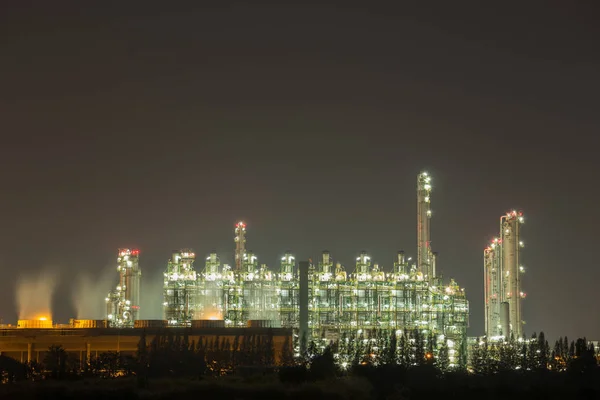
(263, 323)
(34, 324)
(88, 323)
(150, 323)
(208, 323)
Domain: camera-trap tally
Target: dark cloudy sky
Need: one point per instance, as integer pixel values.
(158, 124)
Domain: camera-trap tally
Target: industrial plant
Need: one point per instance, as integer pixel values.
(319, 301)
(502, 272)
(338, 300)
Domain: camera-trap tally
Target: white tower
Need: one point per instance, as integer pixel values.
(502, 282)
(511, 269)
(492, 290)
(425, 264)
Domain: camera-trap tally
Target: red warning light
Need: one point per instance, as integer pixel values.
(135, 252)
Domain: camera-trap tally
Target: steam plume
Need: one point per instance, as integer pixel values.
(90, 292)
(34, 295)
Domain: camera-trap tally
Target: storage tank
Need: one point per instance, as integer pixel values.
(263, 323)
(150, 323)
(34, 324)
(208, 323)
(87, 323)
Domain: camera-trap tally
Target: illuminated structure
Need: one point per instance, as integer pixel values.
(180, 289)
(288, 292)
(502, 271)
(240, 245)
(210, 289)
(366, 300)
(425, 258)
(123, 303)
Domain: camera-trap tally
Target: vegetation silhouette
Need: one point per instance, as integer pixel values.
(384, 365)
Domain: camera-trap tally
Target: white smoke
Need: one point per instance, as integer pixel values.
(90, 293)
(34, 294)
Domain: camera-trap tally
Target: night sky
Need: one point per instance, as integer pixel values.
(158, 125)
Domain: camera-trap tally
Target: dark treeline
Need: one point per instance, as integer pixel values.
(383, 366)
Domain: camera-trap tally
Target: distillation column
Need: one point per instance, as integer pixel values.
(424, 254)
(240, 245)
(511, 280)
(492, 290)
(123, 304)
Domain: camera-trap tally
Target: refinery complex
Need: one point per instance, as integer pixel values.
(324, 300)
(338, 300)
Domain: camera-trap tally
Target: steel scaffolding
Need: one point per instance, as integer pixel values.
(180, 289)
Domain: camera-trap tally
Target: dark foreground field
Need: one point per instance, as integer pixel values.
(366, 384)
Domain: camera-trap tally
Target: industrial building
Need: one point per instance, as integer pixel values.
(123, 303)
(86, 339)
(502, 272)
(362, 300)
(180, 289)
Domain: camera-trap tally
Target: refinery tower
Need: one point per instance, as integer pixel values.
(425, 257)
(502, 272)
(123, 303)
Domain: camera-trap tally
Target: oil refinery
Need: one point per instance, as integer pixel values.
(320, 301)
(502, 273)
(363, 300)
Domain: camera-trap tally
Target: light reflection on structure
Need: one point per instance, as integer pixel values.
(364, 301)
(123, 303)
(502, 271)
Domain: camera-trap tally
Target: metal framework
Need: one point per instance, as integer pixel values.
(180, 289)
(210, 289)
(123, 303)
(367, 301)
